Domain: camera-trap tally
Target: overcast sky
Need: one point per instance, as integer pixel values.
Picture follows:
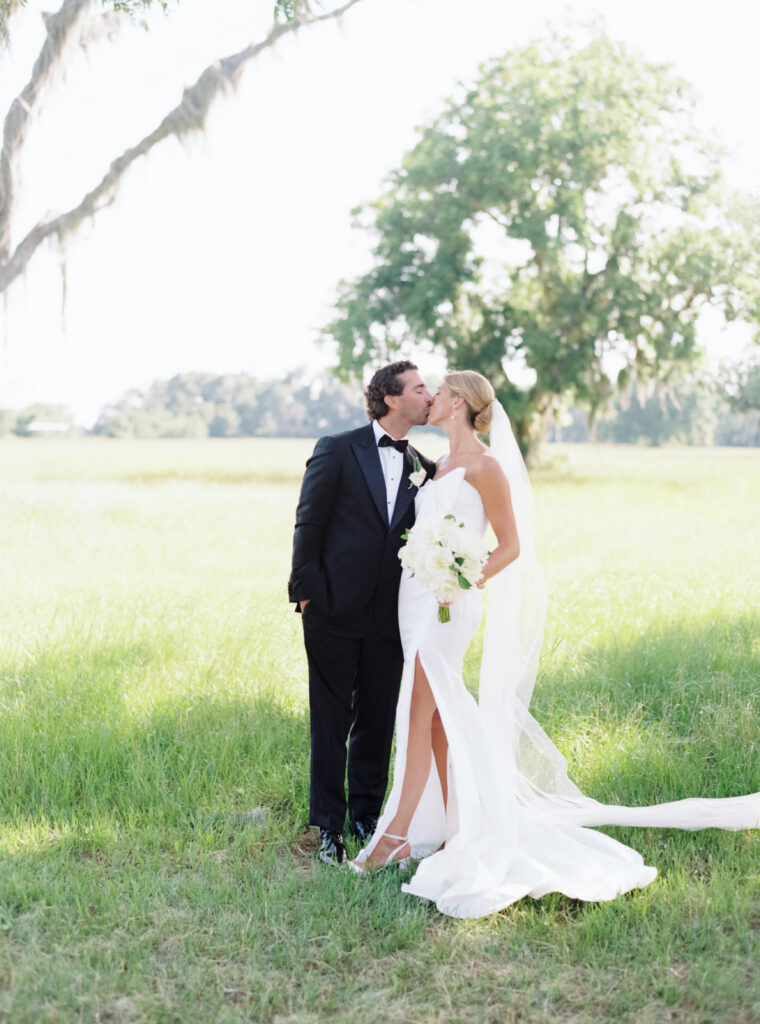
(223, 253)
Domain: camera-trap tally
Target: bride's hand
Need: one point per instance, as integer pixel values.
(481, 583)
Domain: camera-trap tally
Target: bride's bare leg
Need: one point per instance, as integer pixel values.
(441, 755)
(418, 750)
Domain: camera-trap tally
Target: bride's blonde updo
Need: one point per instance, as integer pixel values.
(477, 393)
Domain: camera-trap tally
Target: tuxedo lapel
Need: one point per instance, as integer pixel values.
(365, 450)
(406, 493)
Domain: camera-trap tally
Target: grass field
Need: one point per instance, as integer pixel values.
(152, 695)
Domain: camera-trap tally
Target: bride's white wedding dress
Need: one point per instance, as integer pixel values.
(514, 824)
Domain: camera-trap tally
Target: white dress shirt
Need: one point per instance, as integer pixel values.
(392, 462)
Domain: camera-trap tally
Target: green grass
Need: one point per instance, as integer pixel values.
(152, 693)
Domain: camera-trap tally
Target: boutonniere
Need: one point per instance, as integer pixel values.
(419, 476)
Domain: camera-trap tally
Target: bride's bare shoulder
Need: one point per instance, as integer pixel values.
(486, 471)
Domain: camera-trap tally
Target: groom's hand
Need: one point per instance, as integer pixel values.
(303, 604)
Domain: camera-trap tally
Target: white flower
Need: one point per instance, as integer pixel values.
(469, 568)
(419, 475)
(447, 592)
(437, 561)
(445, 557)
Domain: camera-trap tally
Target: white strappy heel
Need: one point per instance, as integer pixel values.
(362, 868)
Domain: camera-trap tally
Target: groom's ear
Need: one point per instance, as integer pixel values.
(391, 400)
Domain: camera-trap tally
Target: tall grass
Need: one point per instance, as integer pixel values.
(152, 695)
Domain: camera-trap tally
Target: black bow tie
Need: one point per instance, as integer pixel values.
(386, 441)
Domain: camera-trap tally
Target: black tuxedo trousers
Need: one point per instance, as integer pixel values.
(345, 562)
(354, 680)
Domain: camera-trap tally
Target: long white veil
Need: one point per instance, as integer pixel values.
(534, 771)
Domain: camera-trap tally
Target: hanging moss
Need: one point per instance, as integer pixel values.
(188, 116)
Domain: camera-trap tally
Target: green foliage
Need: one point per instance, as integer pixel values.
(7, 421)
(194, 405)
(741, 386)
(128, 7)
(682, 413)
(675, 415)
(285, 10)
(697, 409)
(33, 418)
(561, 218)
(131, 7)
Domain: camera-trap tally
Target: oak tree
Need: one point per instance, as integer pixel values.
(561, 219)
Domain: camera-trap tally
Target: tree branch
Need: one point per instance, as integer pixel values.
(188, 116)
(538, 259)
(59, 28)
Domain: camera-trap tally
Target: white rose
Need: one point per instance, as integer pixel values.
(471, 568)
(452, 534)
(406, 557)
(437, 561)
(447, 592)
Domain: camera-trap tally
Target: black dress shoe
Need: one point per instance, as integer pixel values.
(363, 829)
(331, 849)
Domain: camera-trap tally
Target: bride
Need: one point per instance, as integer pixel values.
(481, 795)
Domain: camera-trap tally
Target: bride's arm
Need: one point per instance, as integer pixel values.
(493, 487)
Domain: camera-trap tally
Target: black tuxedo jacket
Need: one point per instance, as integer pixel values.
(345, 552)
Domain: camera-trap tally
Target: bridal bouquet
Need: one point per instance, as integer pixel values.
(446, 557)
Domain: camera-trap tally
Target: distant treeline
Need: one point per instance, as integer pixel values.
(302, 404)
(696, 411)
(198, 405)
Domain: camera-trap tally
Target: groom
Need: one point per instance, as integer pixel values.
(356, 501)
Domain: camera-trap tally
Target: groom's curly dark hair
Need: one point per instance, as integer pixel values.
(385, 381)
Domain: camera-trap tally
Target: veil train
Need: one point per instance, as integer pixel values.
(525, 756)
